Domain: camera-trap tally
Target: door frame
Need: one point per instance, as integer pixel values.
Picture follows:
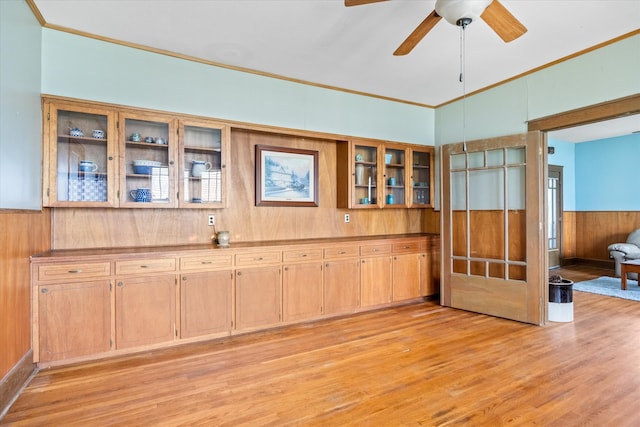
(555, 169)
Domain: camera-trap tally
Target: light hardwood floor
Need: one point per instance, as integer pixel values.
(419, 364)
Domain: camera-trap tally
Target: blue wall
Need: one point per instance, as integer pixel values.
(565, 155)
(85, 68)
(600, 175)
(608, 174)
(20, 112)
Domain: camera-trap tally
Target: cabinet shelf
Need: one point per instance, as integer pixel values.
(202, 150)
(82, 139)
(152, 145)
(421, 167)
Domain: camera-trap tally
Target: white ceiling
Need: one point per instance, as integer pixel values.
(323, 42)
(601, 130)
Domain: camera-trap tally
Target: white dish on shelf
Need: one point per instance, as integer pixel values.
(147, 163)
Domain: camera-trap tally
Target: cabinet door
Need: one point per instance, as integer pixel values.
(258, 297)
(420, 186)
(148, 148)
(395, 176)
(206, 303)
(406, 276)
(302, 291)
(358, 178)
(375, 281)
(74, 320)
(79, 156)
(427, 284)
(341, 286)
(145, 310)
(203, 160)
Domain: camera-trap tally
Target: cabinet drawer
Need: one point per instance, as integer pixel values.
(302, 255)
(341, 252)
(406, 247)
(258, 258)
(74, 271)
(145, 266)
(374, 250)
(206, 262)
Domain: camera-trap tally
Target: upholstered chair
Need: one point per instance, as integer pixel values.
(626, 251)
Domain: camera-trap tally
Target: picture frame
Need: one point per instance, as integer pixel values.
(286, 176)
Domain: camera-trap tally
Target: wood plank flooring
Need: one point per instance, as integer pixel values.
(415, 365)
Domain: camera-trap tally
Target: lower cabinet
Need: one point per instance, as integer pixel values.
(91, 306)
(74, 320)
(375, 281)
(406, 277)
(302, 291)
(206, 303)
(145, 310)
(258, 297)
(341, 286)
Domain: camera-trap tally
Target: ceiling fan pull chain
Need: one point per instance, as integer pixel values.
(463, 80)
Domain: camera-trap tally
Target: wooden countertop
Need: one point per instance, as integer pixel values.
(135, 252)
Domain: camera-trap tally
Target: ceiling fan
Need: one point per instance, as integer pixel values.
(461, 13)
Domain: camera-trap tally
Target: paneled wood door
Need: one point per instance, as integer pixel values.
(493, 256)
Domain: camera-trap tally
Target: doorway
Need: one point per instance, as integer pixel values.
(554, 215)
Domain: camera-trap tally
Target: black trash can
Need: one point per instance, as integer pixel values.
(561, 301)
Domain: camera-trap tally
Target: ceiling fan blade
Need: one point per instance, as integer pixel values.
(503, 22)
(359, 2)
(418, 34)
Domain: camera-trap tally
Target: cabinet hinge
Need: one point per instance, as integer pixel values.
(117, 124)
(47, 192)
(118, 194)
(48, 116)
(110, 343)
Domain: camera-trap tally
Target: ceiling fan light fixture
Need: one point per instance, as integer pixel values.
(461, 12)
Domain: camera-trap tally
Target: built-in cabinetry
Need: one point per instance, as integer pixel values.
(373, 174)
(97, 155)
(90, 304)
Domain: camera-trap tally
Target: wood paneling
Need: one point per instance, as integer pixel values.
(96, 227)
(419, 364)
(21, 235)
(568, 249)
(595, 231)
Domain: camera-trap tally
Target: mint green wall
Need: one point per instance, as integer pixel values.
(20, 117)
(607, 73)
(85, 68)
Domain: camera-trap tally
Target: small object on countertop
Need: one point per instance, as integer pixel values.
(223, 239)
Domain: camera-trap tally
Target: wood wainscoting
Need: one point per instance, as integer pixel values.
(22, 234)
(588, 234)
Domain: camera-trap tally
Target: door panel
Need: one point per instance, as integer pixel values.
(492, 222)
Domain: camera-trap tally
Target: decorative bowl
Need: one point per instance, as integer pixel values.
(76, 132)
(143, 167)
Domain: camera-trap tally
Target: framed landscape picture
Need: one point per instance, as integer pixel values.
(286, 176)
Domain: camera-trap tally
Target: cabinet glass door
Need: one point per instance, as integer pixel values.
(202, 164)
(395, 168)
(366, 176)
(149, 146)
(81, 163)
(421, 178)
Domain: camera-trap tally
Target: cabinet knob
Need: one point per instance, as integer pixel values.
(44, 290)
(239, 273)
(120, 284)
(110, 157)
(184, 278)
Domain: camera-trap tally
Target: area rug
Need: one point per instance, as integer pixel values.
(609, 286)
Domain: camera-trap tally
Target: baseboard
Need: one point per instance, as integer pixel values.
(12, 383)
(601, 263)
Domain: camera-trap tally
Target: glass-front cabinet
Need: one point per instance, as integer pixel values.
(421, 182)
(395, 180)
(103, 155)
(148, 146)
(203, 159)
(365, 188)
(377, 174)
(79, 156)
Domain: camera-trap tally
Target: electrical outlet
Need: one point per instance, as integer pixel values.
(347, 218)
(212, 220)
